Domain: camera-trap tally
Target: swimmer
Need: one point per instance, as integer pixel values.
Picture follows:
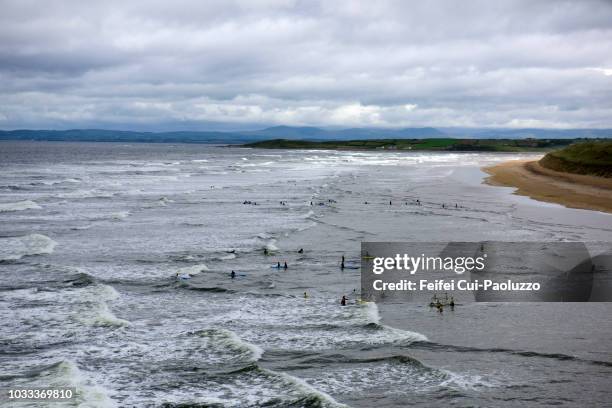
(343, 301)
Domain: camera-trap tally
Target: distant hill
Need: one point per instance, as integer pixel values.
(306, 133)
(314, 133)
(527, 133)
(101, 135)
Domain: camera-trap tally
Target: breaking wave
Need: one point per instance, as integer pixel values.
(19, 206)
(15, 248)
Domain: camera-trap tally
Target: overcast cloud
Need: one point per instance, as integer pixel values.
(181, 64)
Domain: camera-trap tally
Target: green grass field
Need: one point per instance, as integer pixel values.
(442, 144)
(592, 158)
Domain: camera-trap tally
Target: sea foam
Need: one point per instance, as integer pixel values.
(19, 206)
(15, 248)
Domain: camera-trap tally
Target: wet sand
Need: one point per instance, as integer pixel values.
(540, 183)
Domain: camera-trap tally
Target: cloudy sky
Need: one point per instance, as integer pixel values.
(160, 65)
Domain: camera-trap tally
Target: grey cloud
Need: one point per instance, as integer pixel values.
(341, 63)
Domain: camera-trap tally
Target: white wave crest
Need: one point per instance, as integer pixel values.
(373, 316)
(17, 247)
(103, 317)
(227, 257)
(270, 246)
(120, 215)
(19, 206)
(230, 341)
(328, 400)
(192, 270)
(89, 395)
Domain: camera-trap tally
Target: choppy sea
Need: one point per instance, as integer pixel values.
(115, 264)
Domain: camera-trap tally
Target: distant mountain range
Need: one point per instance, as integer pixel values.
(297, 133)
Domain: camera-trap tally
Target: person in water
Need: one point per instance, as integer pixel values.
(233, 274)
(342, 263)
(343, 301)
(265, 251)
(305, 295)
(301, 251)
(452, 303)
(285, 267)
(278, 265)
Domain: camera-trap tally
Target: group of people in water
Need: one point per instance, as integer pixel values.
(332, 201)
(439, 303)
(414, 202)
(285, 267)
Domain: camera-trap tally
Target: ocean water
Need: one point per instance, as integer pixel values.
(115, 264)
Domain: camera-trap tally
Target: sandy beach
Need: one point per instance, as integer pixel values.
(540, 183)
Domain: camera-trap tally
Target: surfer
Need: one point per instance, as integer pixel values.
(265, 251)
(305, 295)
(342, 263)
(233, 274)
(285, 267)
(452, 303)
(301, 251)
(278, 265)
(390, 202)
(343, 301)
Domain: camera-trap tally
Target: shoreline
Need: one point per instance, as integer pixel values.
(531, 179)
